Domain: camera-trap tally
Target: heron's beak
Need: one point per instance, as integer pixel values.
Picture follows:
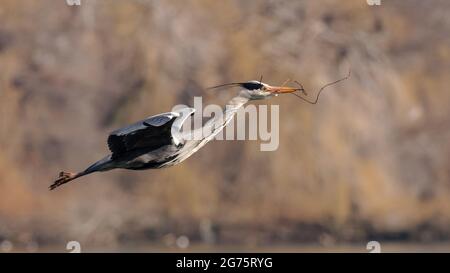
(281, 89)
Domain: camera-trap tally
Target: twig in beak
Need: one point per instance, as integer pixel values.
(320, 91)
(301, 88)
(286, 82)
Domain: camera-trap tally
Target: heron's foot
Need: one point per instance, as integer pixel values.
(63, 178)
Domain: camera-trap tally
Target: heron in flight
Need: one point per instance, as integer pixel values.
(158, 141)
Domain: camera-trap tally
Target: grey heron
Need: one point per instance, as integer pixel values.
(158, 141)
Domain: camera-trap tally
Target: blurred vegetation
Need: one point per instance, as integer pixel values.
(370, 161)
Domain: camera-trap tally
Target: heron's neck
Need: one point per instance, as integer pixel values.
(216, 124)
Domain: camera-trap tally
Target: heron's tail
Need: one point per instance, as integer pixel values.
(65, 177)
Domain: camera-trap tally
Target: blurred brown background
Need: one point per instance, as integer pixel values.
(369, 162)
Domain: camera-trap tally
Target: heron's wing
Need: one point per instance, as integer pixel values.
(150, 133)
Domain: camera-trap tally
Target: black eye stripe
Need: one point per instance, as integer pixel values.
(251, 85)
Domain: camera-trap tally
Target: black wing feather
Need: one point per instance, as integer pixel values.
(149, 134)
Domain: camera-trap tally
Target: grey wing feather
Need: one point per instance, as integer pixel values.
(155, 121)
(158, 120)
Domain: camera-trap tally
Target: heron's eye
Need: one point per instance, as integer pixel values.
(252, 85)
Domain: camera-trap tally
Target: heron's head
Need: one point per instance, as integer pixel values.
(259, 90)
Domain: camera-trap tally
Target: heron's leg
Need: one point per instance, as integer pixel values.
(63, 178)
(101, 165)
